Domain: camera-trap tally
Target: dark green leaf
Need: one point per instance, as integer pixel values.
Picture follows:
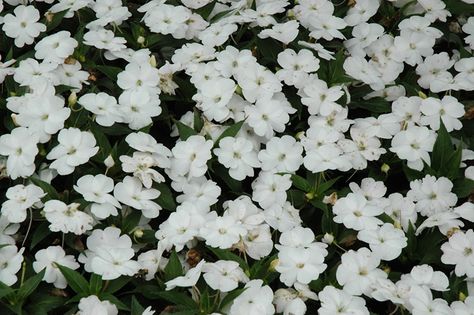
(301, 183)
(174, 268)
(75, 280)
(39, 234)
(198, 121)
(451, 168)
(120, 305)
(5, 290)
(184, 131)
(131, 221)
(442, 148)
(175, 297)
(463, 187)
(326, 185)
(230, 132)
(56, 20)
(109, 71)
(231, 296)
(50, 191)
(29, 286)
(116, 284)
(166, 199)
(95, 284)
(223, 254)
(136, 308)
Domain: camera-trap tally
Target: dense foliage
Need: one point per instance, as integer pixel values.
(237, 157)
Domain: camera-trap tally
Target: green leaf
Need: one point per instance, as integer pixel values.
(5, 290)
(120, 305)
(95, 284)
(50, 191)
(451, 168)
(75, 280)
(463, 187)
(136, 307)
(56, 20)
(166, 199)
(184, 131)
(102, 142)
(230, 132)
(44, 304)
(442, 148)
(109, 71)
(301, 183)
(326, 185)
(223, 254)
(40, 233)
(206, 10)
(231, 296)
(375, 105)
(174, 268)
(29, 286)
(175, 297)
(117, 284)
(131, 221)
(198, 121)
(221, 15)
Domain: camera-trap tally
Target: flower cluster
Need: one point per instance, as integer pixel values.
(233, 157)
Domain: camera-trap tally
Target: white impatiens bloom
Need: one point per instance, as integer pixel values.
(56, 48)
(222, 232)
(224, 275)
(414, 145)
(189, 279)
(387, 241)
(66, 218)
(283, 154)
(336, 301)
(75, 147)
(358, 271)
(424, 275)
(20, 198)
(50, 258)
(190, 156)
(270, 189)
(255, 300)
(459, 251)
(21, 148)
(92, 305)
(296, 66)
(432, 195)
(131, 192)
(103, 106)
(96, 189)
(109, 254)
(238, 155)
(448, 109)
(300, 263)
(10, 263)
(23, 25)
(355, 212)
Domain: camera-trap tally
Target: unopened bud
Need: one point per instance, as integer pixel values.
(385, 168)
(138, 233)
(152, 61)
(72, 99)
(462, 296)
(328, 238)
(274, 263)
(422, 95)
(109, 161)
(300, 135)
(13, 116)
(141, 40)
(309, 195)
(238, 90)
(49, 16)
(331, 199)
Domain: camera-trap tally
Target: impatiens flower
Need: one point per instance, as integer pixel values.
(190, 156)
(222, 232)
(23, 26)
(270, 189)
(281, 155)
(20, 198)
(387, 241)
(424, 275)
(189, 279)
(92, 305)
(358, 271)
(66, 218)
(131, 192)
(355, 212)
(448, 109)
(96, 189)
(10, 263)
(56, 47)
(75, 147)
(413, 145)
(104, 106)
(459, 251)
(238, 155)
(21, 148)
(336, 301)
(256, 299)
(223, 275)
(50, 258)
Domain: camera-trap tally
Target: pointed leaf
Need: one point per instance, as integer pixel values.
(29, 286)
(74, 279)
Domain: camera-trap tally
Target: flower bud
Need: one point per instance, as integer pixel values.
(49, 16)
(331, 199)
(141, 40)
(72, 99)
(109, 161)
(385, 168)
(152, 61)
(328, 238)
(462, 296)
(422, 95)
(273, 264)
(138, 233)
(300, 135)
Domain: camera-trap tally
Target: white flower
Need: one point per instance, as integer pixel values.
(21, 148)
(358, 271)
(23, 26)
(131, 192)
(189, 279)
(448, 109)
(66, 218)
(91, 305)
(459, 251)
(270, 189)
(96, 189)
(138, 107)
(335, 301)
(355, 212)
(422, 302)
(224, 275)
(281, 155)
(20, 198)
(387, 241)
(413, 145)
(56, 48)
(104, 107)
(424, 275)
(222, 232)
(238, 155)
(75, 147)
(50, 258)
(10, 263)
(432, 195)
(255, 300)
(284, 32)
(190, 156)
